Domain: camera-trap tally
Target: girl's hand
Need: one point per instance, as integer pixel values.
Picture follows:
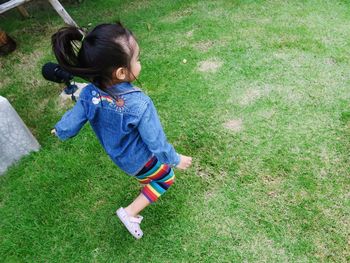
(53, 131)
(185, 162)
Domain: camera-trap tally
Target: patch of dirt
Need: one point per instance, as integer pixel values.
(253, 94)
(291, 94)
(177, 15)
(137, 5)
(201, 172)
(203, 46)
(234, 125)
(98, 204)
(210, 194)
(29, 62)
(210, 65)
(42, 105)
(4, 82)
(330, 61)
(281, 55)
(189, 33)
(218, 13)
(267, 114)
(250, 96)
(206, 173)
(272, 194)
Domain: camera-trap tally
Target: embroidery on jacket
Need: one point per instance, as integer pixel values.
(118, 104)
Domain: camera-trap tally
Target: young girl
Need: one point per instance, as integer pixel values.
(123, 118)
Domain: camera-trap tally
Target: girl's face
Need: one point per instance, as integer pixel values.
(135, 64)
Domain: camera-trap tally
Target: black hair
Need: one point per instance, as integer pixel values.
(95, 56)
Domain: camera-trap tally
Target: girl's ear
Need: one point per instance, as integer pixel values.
(120, 73)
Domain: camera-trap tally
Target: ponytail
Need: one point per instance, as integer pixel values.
(65, 44)
(93, 57)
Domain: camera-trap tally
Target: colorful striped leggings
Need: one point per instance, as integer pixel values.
(158, 178)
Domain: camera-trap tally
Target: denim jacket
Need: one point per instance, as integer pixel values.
(126, 124)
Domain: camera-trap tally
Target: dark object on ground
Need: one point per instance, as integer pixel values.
(53, 72)
(7, 44)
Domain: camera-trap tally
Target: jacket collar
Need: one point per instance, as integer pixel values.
(123, 88)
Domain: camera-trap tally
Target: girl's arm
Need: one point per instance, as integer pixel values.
(71, 122)
(152, 134)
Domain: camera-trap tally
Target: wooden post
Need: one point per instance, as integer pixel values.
(62, 12)
(11, 4)
(55, 4)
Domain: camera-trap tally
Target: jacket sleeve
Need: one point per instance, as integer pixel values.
(152, 134)
(71, 122)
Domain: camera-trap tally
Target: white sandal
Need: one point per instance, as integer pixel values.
(131, 223)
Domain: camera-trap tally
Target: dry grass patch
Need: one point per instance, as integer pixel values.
(203, 46)
(137, 5)
(265, 249)
(235, 125)
(253, 94)
(210, 65)
(177, 15)
(189, 33)
(29, 62)
(98, 204)
(272, 184)
(4, 82)
(203, 172)
(267, 114)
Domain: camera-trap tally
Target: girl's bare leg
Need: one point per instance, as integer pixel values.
(140, 203)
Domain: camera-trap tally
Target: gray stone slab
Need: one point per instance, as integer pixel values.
(15, 138)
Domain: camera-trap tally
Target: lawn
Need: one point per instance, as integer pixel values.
(262, 104)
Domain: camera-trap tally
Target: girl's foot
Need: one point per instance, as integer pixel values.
(131, 223)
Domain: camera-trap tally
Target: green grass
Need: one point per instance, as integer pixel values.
(274, 190)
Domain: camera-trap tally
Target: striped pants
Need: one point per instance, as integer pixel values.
(158, 178)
